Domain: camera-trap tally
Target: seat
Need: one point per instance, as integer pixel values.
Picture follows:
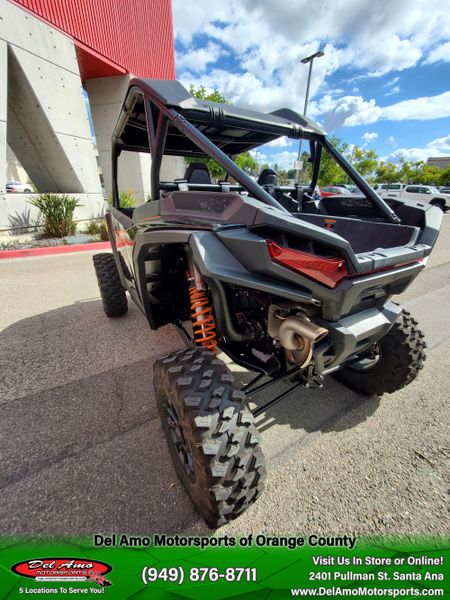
(268, 179)
(197, 173)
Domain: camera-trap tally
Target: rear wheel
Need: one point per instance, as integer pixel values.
(439, 203)
(391, 364)
(210, 432)
(115, 303)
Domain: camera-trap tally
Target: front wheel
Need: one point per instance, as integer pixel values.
(210, 432)
(391, 364)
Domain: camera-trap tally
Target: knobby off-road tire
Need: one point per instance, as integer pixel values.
(401, 357)
(225, 472)
(115, 303)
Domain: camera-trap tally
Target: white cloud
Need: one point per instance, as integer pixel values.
(198, 59)
(411, 154)
(424, 108)
(354, 110)
(345, 111)
(392, 82)
(284, 160)
(267, 42)
(392, 141)
(369, 136)
(394, 90)
(260, 157)
(441, 52)
(442, 143)
(437, 147)
(281, 142)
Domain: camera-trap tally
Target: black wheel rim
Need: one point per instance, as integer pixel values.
(367, 361)
(178, 440)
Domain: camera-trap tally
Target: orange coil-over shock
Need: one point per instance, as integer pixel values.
(203, 324)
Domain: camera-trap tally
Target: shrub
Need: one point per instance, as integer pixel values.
(98, 228)
(103, 231)
(57, 212)
(92, 228)
(127, 199)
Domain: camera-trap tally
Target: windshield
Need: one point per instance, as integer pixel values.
(433, 190)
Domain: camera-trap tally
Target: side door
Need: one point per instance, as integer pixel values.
(394, 190)
(411, 192)
(425, 194)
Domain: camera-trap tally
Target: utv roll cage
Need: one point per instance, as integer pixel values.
(162, 118)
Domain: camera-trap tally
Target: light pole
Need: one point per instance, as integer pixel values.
(310, 60)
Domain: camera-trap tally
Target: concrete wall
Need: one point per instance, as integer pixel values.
(43, 114)
(17, 215)
(106, 96)
(14, 169)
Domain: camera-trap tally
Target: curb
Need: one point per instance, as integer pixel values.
(48, 250)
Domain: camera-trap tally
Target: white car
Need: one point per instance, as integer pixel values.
(422, 193)
(386, 189)
(18, 188)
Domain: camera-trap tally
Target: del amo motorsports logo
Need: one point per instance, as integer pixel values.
(64, 569)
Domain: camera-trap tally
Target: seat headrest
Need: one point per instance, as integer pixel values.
(267, 177)
(197, 173)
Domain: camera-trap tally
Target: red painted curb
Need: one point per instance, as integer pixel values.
(43, 251)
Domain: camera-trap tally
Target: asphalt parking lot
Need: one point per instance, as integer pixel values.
(83, 451)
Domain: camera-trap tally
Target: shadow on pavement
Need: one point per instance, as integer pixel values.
(80, 437)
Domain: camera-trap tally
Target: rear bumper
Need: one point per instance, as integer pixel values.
(256, 270)
(358, 332)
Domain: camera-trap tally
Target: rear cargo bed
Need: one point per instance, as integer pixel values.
(366, 236)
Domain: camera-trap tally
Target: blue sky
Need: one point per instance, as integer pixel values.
(384, 81)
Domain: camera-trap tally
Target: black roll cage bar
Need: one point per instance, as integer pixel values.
(157, 133)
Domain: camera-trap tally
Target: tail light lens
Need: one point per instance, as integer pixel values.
(329, 271)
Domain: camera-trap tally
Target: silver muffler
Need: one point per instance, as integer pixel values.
(297, 334)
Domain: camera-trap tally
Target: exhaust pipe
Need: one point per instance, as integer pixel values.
(298, 336)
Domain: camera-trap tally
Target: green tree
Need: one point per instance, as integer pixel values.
(444, 178)
(245, 161)
(411, 172)
(214, 96)
(431, 175)
(386, 172)
(364, 161)
(330, 172)
(282, 177)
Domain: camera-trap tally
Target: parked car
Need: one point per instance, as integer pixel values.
(380, 187)
(332, 190)
(385, 189)
(18, 188)
(423, 193)
(444, 190)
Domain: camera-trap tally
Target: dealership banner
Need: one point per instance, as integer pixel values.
(251, 566)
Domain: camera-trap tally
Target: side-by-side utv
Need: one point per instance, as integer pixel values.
(291, 286)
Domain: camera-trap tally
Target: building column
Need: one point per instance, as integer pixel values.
(106, 96)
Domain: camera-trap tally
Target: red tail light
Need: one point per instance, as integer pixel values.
(329, 271)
